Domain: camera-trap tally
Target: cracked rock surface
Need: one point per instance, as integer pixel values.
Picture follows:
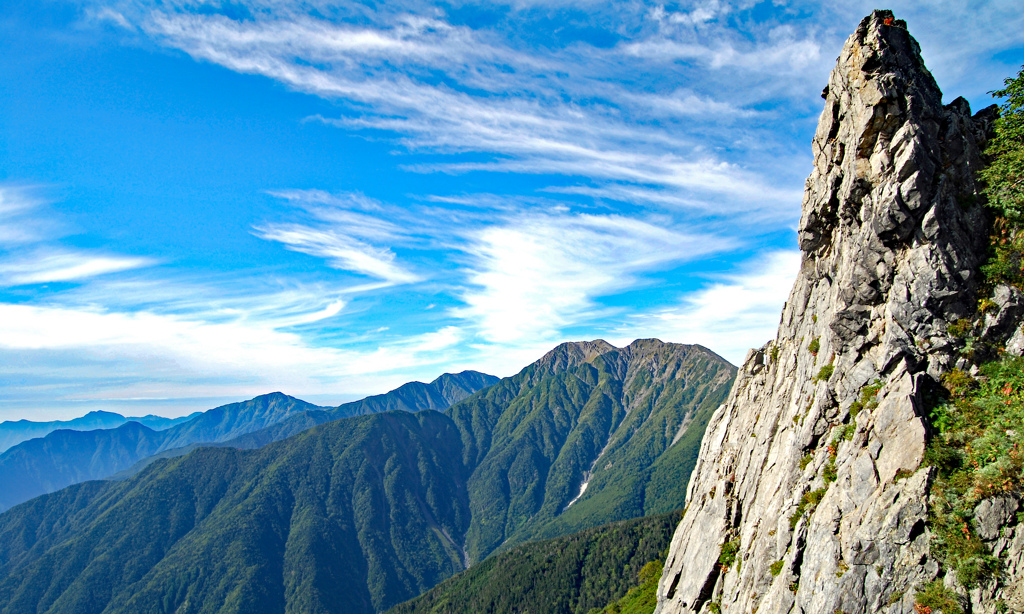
(829, 510)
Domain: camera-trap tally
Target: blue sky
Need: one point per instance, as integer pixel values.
(205, 201)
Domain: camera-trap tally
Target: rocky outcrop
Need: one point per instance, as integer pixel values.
(824, 506)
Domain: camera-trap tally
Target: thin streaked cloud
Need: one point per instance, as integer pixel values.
(44, 267)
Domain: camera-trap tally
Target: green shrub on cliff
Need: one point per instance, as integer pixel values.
(1004, 179)
(1004, 174)
(978, 454)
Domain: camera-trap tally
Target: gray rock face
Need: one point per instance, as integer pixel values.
(830, 509)
(1015, 345)
(1009, 302)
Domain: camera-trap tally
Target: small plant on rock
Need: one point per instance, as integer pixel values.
(934, 597)
(960, 328)
(727, 557)
(806, 506)
(806, 460)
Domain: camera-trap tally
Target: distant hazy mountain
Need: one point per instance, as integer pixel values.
(362, 513)
(439, 394)
(66, 457)
(13, 432)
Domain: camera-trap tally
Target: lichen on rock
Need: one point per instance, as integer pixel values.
(892, 233)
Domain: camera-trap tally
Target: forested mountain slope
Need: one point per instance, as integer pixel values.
(365, 512)
(351, 516)
(574, 574)
(586, 417)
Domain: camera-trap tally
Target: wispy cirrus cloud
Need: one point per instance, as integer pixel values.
(729, 315)
(20, 222)
(782, 49)
(30, 252)
(340, 251)
(535, 275)
(44, 266)
(540, 113)
(527, 268)
(168, 355)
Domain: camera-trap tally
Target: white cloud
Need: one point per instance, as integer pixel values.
(541, 112)
(27, 229)
(327, 312)
(46, 266)
(340, 251)
(534, 275)
(701, 14)
(729, 316)
(685, 103)
(109, 15)
(177, 355)
(699, 185)
(786, 52)
(761, 210)
(18, 223)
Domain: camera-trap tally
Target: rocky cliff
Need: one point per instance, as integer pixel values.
(809, 494)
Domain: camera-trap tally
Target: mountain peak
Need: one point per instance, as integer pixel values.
(572, 353)
(273, 395)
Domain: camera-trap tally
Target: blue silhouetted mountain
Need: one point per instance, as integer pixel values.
(13, 432)
(438, 395)
(66, 457)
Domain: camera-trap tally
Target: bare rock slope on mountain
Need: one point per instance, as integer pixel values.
(825, 508)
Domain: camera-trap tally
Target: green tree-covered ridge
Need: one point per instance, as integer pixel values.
(578, 574)
(360, 514)
(586, 412)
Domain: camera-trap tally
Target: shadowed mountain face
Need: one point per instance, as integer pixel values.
(66, 457)
(568, 575)
(363, 513)
(14, 432)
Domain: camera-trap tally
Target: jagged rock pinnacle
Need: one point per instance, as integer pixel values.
(828, 513)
